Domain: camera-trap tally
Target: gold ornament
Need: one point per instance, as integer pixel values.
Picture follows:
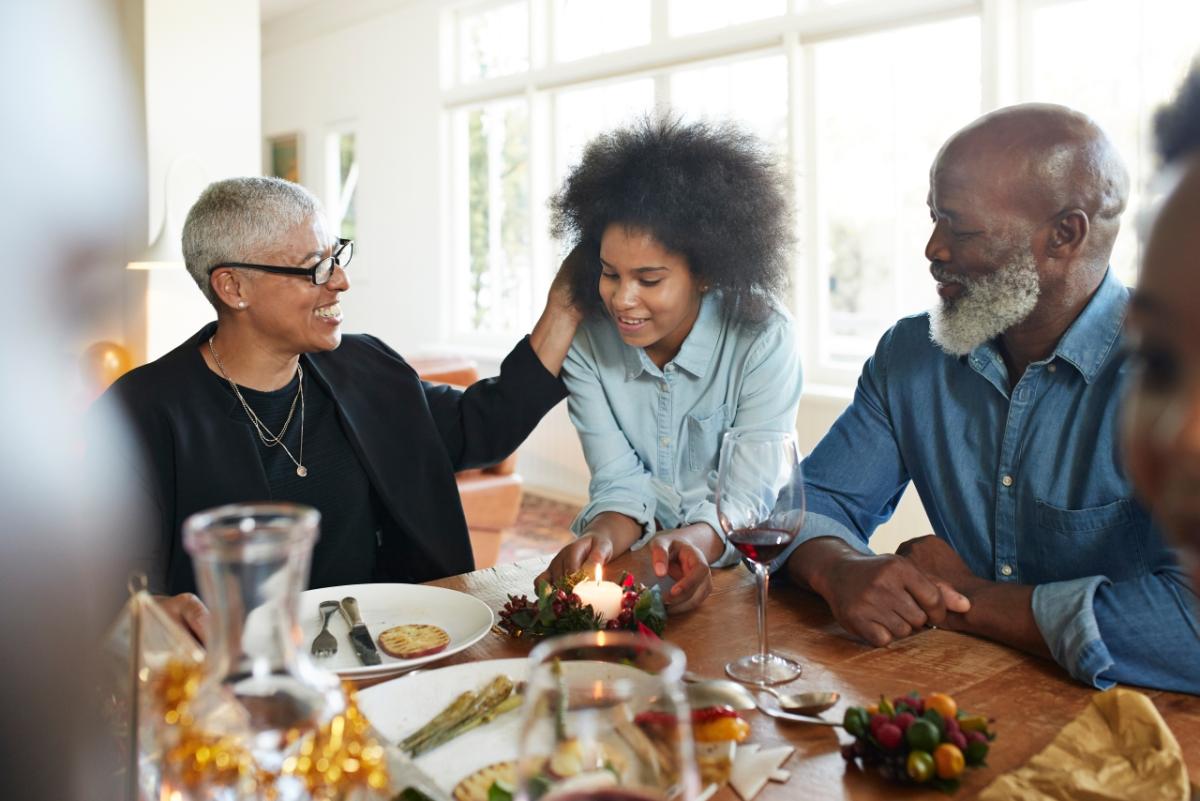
(333, 762)
(343, 756)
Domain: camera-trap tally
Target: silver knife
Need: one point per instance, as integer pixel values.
(360, 638)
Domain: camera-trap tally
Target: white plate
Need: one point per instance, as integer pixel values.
(465, 618)
(401, 706)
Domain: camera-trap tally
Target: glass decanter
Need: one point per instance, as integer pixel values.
(259, 695)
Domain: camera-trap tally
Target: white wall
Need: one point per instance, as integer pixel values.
(202, 63)
(378, 77)
(375, 70)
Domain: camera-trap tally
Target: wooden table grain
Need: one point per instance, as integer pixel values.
(1029, 698)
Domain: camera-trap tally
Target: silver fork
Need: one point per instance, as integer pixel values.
(325, 644)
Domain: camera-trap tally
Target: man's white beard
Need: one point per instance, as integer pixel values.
(987, 307)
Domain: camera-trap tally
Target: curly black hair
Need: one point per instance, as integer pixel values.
(710, 192)
(1177, 124)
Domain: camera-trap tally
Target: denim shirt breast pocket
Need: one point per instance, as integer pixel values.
(704, 431)
(1108, 540)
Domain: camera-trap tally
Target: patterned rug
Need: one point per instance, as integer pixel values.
(542, 527)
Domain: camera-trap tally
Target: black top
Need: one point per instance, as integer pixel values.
(336, 484)
(409, 438)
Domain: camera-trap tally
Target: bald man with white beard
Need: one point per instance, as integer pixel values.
(1000, 406)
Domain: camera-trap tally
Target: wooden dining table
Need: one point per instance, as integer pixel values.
(1029, 698)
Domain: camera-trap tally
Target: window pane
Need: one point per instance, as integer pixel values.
(1117, 62)
(493, 42)
(588, 27)
(581, 114)
(345, 216)
(753, 93)
(693, 16)
(496, 296)
(877, 131)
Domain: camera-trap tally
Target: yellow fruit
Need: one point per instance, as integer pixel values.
(943, 704)
(977, 723)
(730, 728)
(873, 709)
(948, 760)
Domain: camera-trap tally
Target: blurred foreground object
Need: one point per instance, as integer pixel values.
(147, 650)
(258, 718)
(71, 181)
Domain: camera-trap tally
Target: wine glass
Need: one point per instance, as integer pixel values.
(760, 506)
(606, 719)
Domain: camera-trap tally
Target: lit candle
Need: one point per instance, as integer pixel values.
(603, 596)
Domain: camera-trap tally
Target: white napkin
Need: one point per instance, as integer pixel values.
(754, 766)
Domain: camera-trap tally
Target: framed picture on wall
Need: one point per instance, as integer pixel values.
(282, 157)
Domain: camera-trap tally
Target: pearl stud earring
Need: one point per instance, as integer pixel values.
(241, 304)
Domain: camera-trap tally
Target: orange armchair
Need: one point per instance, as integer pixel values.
(491, 496)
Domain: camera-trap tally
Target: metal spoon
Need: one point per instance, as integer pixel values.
(812, 703)
(769, 707)
(717, 692)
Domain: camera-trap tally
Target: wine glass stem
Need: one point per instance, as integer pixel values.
(764, 578)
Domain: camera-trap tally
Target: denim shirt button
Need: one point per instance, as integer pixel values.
(1006, 570)
(1051, 367)
(1008, 482)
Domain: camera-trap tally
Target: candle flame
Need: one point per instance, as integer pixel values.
(599, 575)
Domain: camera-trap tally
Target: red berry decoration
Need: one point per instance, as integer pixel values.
(557, 609)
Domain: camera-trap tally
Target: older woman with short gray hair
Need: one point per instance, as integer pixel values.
(272, 401)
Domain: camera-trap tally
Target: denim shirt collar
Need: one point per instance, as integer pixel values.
(1089, 341)
(697, 349)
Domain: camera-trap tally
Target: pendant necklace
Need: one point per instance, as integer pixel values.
(264, 434)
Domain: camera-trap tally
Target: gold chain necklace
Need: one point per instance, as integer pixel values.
(268, 439)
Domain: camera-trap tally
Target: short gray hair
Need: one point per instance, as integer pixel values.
(236, 218)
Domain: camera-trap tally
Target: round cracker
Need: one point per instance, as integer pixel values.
(413, 640)
(476, 786)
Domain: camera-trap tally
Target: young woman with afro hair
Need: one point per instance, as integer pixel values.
(682, 238)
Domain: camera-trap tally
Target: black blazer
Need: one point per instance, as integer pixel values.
(200, 451)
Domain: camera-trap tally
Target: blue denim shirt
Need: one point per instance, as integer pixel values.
(652, 437)
(1026, 484)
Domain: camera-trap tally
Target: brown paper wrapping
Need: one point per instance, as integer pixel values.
(1118, 748)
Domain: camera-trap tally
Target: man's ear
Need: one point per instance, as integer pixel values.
(230, 287)
(1068, 232)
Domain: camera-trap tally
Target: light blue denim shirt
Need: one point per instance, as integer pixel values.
(1026, 484)
(652, 437)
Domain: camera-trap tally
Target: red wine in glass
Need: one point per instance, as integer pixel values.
(761, 544)
(608, 794)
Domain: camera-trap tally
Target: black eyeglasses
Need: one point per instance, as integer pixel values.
(319, 273)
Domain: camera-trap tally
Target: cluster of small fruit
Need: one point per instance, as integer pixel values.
(917, 740)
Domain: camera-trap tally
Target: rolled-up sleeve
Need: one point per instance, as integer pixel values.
(620, 482)
(1143, 631)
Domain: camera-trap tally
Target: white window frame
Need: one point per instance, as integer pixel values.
(333, 168)
(1005, 68)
